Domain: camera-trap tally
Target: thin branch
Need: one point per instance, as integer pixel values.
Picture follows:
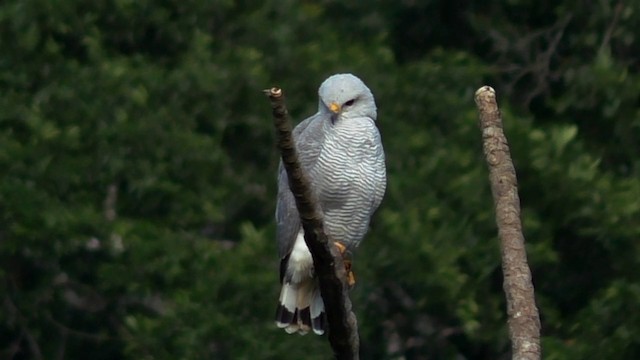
(524, 321)
(66, 331)
(62, 346)
(24, 329)
(110, 211)
(533, 53)
(327, 262)
(617, 10)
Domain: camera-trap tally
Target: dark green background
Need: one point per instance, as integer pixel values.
(137, 174)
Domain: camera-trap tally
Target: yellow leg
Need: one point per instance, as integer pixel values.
(351, 278)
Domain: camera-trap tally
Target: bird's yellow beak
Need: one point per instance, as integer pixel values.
(335, 108)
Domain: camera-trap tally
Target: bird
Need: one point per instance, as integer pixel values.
(340, 150)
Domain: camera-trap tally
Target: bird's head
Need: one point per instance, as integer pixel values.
(345, 96)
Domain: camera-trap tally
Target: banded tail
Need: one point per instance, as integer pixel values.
(300, 308)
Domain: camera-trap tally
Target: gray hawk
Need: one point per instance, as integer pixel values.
(340, 150)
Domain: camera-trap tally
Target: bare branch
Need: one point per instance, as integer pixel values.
(524, 321)
(110, 212)
(12, 309)
(612, 26)
(66, 331)
(528, 58)
(327, 262)
(62, 346)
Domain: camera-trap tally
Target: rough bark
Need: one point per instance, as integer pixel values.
(524, 321)
(327, 261)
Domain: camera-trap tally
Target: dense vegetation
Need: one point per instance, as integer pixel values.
(137, 174)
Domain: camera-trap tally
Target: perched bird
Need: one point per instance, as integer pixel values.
(340, 150)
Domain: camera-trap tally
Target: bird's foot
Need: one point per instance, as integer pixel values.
(351, 278)
(340, 247)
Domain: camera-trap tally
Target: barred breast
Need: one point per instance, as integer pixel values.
(349, 177)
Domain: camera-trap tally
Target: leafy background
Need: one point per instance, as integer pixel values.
(137, 168)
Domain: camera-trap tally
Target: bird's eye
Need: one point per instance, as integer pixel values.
(350, 102)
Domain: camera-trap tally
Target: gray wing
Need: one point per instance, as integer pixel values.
(287, 218)
(308, 137)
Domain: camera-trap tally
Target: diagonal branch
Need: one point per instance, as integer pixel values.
(524, 321)
(13, 310)
(327, 262)
(617, 11)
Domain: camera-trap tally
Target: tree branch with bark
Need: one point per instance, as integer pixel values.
(327, 261)
(524, 321)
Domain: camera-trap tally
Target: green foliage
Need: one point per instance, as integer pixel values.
(137, 182)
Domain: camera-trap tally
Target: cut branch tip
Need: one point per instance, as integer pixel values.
(274, 92)
(485, 88)
(484, 93)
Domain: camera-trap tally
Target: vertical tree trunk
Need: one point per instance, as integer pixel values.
(524, 321)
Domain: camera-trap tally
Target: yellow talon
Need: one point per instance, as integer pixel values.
(351, 277)
(340, 247)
